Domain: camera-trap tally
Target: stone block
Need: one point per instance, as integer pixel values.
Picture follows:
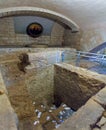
(84, 118)
(101, 97)
(74, 86)
(40, 85)
(7, 115)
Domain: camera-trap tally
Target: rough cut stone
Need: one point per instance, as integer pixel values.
(74, 86)
(84, 118)
(101, 96)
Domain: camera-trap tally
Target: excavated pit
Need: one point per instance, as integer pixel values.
(45, 96)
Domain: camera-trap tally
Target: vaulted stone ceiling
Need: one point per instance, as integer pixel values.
(83, 12)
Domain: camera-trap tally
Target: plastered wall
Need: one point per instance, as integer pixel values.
(9, 37)
(86, 39)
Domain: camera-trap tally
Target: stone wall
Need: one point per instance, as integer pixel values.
(8, 118)
(40, 74)
(19, 97)
(41, 85)
(57, 35)
(74, 86)
(86, 39)
(9, 37)
(72, 39)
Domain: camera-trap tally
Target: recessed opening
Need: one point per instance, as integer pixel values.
(34, 30)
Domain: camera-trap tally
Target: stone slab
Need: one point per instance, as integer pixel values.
(101, 96)
(86, 116)
(7, 116)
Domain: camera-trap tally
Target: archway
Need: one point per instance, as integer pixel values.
(16, 11)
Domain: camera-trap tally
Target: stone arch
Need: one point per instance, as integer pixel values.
(15, 11)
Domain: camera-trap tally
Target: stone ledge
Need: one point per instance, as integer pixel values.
(81, 71)
(100, 97)
(8, 118)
